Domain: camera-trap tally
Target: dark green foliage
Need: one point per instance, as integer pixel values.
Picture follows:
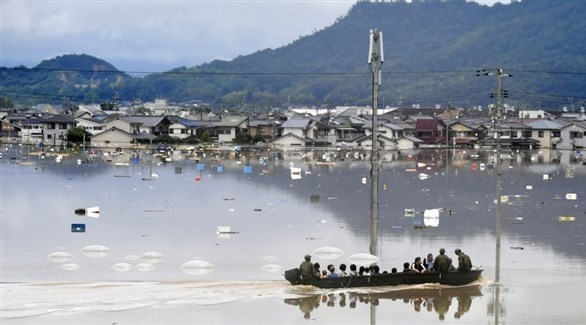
(245, 138)
(432, 50)
(167, 139)
(108, 106)
(205, 137)
(78, 135)
(5, 102)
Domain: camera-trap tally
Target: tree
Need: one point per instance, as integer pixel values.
(205, 137)
(108, 106)
(78, 135)
(5, 102)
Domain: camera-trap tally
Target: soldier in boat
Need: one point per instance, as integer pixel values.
(308, 270)
(464, 262)
(442, 262)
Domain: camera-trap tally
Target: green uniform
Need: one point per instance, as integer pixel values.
(464, 263)
(308, 270)
(442, 263)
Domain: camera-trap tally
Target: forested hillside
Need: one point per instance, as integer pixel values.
(432, 51)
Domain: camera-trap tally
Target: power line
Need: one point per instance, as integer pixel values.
(283, 73)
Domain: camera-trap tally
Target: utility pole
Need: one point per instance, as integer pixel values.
(497, 120)
(375, 62)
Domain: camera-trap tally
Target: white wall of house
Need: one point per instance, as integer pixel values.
(525, 113)
(227, 134)
(56, 133)
(297, 131)
(31, 133)
(545, 138)
(119, 124)
(112, 138)
(288, 140)
(180, 131)
(89, 126)
(405, 144)
(573, 137)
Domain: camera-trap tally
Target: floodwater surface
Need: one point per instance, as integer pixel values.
(207, 239)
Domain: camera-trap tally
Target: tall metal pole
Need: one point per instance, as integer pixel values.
(498, 121)
(375, 61)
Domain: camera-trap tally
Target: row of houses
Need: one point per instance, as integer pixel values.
(350, 127)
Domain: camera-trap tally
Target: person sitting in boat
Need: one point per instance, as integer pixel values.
(374, 270)
(342, 270)
(318, 269)
(417, 266)
(353, 271)
(428, 262)
(442, 262)
(367, 270)
(308, 270)
(406, 267)
(464, 262)
(332, 270)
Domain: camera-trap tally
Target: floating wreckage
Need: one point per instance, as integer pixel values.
(197, 267)
(93, 212)
(328, 253)
(363, 259)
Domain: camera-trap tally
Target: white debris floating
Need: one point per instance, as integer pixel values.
(363, 259)
(328, 253)
(197, 267)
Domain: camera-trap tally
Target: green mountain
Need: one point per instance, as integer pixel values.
(77, 77)
(432, 51)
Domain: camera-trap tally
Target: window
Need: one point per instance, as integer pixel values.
(555, 134)
(513, 134)
(541, 134)
(527, 134)
(576, 135)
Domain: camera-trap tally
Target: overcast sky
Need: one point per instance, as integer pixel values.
(157, 35)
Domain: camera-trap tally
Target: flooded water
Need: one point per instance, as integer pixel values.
(153, 253)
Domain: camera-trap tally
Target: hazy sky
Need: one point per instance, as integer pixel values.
(157, 35)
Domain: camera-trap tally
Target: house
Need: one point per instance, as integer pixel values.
(266, 128)
(408, 143)
(546, 132)
(91, 125)
(292, 140)
(429, 131)
(573, 136)
(349, 128)
(533, 114)
(55, 129)
(137, 124)
(113, 138)
(91, 110)
(160, 107)
(301, 127)
(229, 127)
(384, 142)
(31, 131)
(513, 134)
(183, 128)
(464, 133)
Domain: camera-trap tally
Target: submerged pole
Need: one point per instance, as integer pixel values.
(375, 61)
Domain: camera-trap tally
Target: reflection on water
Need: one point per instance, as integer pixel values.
(159, 221)
(441, 301)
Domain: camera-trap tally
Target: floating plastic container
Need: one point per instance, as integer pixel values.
(77, 227)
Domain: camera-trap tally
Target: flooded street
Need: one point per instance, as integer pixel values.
(154, 254)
